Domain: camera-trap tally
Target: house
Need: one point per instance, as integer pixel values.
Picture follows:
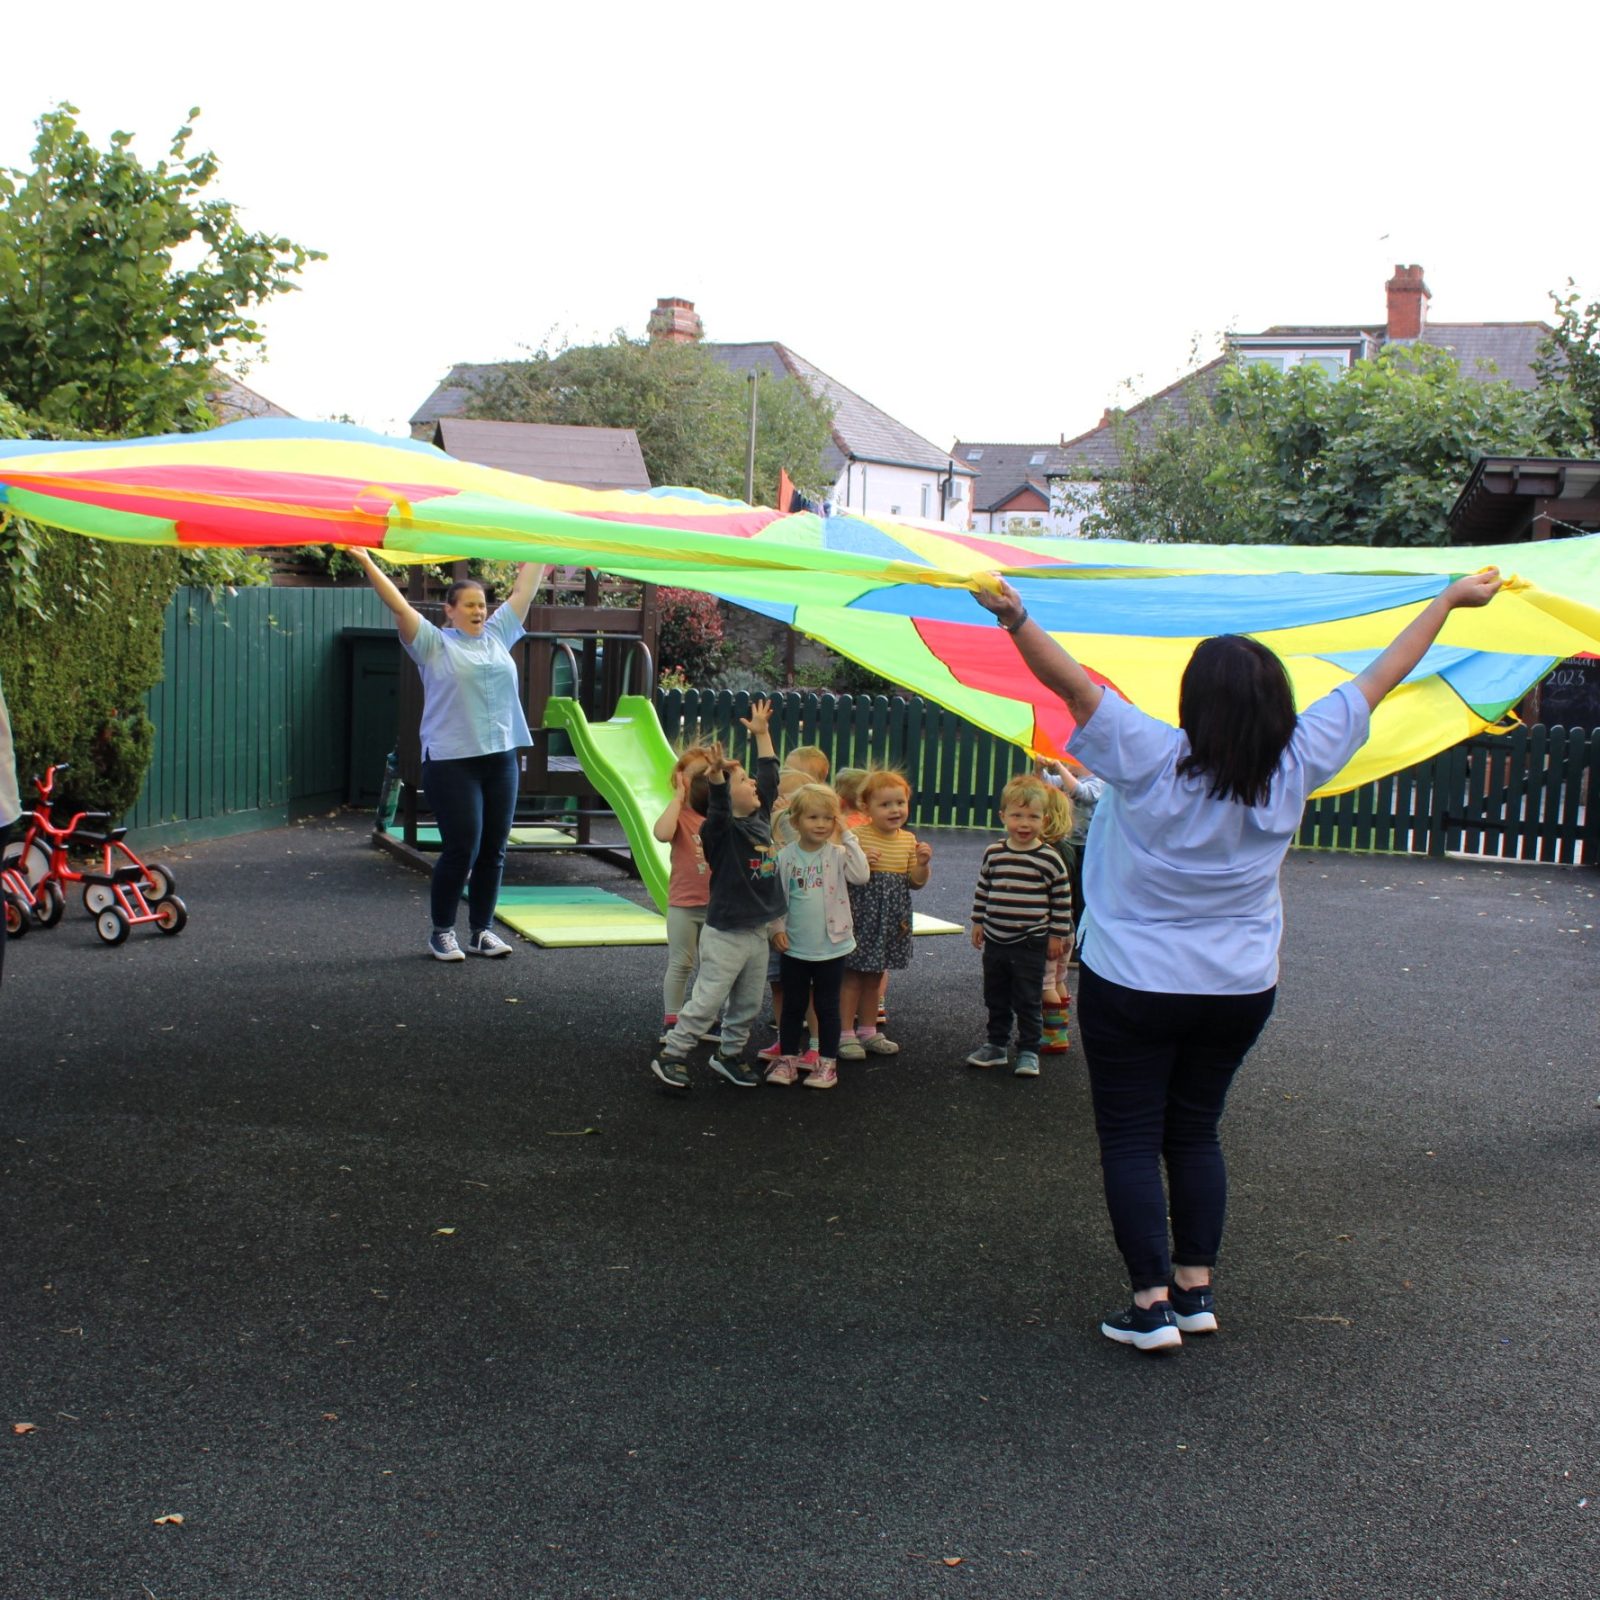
(1011, 490)
(1489, 351)
(878, 465)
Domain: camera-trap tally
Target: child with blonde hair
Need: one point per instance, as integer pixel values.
(689, 880)
(881, 908)
(815, 935)
(1056, 1036)
(810, 759)
(1021, 918)
(847, 785)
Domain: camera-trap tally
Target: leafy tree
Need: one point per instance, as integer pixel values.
(690, 413)
(1376, 456)
(103, 334)
(1570, 358)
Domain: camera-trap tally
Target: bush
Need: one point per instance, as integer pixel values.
(691, 641)
(76, 674)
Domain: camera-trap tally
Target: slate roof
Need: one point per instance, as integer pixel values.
(1486, 350)
(233, 401)
(861, 432)
(591, 458)
(1004, 469)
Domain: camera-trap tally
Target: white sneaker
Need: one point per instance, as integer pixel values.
(442, 945)
(486, 942)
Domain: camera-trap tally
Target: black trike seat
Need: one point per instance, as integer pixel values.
(89, 836)
(116, 875)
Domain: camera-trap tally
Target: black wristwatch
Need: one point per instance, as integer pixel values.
(1011, 627)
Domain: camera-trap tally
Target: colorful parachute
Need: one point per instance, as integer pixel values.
(891, 596)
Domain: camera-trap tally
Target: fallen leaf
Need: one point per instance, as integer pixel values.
(24, 1427)
(438, 1231)
(173, 1518)
(1343, 1322)
(330, 1416)
(569, 1133)
(512, 1000)
(952, 1561)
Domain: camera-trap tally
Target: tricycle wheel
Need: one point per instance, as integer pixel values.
(49, 904)
(171, 914)
(16, 917)
(159, 882)
(96, 897)
(34, 865)
(112, 925)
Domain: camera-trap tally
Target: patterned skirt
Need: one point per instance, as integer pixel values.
(881, 909)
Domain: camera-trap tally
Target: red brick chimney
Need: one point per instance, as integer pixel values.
(1408, 303)
(675, 321)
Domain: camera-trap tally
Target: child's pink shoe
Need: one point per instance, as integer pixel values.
(783, 1071)
(822, 1076)
(773, 1052)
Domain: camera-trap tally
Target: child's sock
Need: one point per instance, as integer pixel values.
(863, 1034)
(816, 1043)
(670, 1021)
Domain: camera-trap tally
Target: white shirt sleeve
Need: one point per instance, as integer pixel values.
(1329, 732)
(1123, 745)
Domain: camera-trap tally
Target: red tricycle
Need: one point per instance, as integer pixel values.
(125, 891)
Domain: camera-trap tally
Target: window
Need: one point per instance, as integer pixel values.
(975, 455)
(1036, 459)
(927, 492)
(1275, 362)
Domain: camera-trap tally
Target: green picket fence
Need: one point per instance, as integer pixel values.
(1522, 795)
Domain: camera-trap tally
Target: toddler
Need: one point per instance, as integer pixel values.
(745, 896)
(1084, 790)
(810, 759)
(848, 788)
(1057, 997)
(881, 908)
(689, 883)
(816, 933)
(1021, 917)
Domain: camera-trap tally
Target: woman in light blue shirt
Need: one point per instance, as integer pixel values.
(472, 728)
(10, 797)
(1178, 949)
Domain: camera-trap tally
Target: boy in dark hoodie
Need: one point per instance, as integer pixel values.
(745, 897)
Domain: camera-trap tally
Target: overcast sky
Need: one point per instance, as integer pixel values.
(984, 219)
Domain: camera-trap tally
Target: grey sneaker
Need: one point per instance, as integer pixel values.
(1027, 1064)
(989, 1055)
(671, 1071)
(442, 945)
(735, 1071)
(486, 942)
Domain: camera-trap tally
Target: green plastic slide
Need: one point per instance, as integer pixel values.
(630, 762)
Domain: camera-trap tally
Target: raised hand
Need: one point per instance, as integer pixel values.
(760, 717)
(1476, 589)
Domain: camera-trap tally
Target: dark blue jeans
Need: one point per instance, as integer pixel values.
(1013, 986)
(1159, 1070)
(473, 801)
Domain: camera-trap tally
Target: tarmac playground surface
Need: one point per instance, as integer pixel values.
(400, 1279)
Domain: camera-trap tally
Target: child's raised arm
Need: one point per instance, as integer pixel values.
(759, 722)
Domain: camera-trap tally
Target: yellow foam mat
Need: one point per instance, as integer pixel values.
(571, 916)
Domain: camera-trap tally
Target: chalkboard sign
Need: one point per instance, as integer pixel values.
(1570, 696)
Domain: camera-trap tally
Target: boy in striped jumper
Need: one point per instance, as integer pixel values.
(1021, 914)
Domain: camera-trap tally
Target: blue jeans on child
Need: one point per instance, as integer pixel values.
(473, 800)
(1159, 1070)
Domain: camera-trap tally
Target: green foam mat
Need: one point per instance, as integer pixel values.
(565, 916)
(569, 916)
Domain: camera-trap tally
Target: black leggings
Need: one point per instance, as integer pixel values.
(814, 983)
(1159, 1070)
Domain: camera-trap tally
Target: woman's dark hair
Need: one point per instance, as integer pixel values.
(1236, 705)
(460, 584)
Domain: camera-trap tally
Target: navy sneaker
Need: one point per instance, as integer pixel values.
(671, 1071)
(1194, 1310)
(735, 1071)
(1152, 1328)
